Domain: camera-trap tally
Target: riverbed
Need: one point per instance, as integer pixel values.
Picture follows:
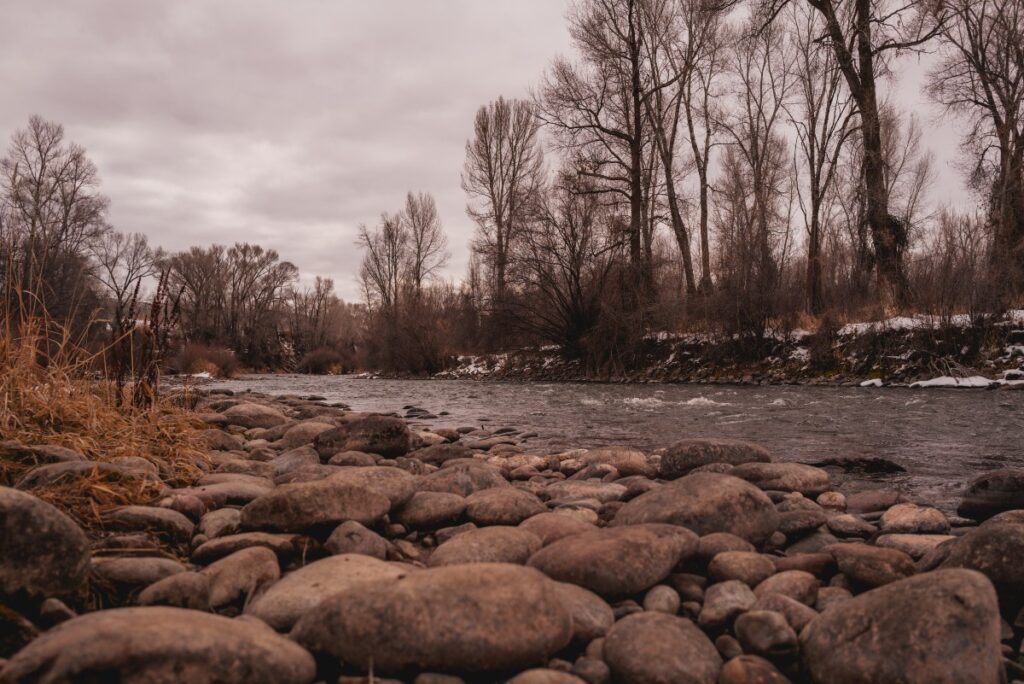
(943, 438)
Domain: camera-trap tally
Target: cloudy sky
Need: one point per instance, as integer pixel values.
(286, 123)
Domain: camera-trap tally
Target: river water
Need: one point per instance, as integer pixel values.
(943, 438)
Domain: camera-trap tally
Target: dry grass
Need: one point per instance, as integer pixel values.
(51, 395)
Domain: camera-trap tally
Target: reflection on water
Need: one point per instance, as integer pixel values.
(942, 437)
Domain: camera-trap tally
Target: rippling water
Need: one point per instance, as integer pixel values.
(942, 437)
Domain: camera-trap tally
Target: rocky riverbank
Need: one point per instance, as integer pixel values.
(325, 545)
(916, 351)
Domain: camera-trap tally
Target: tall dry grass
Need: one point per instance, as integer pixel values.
(51, 393)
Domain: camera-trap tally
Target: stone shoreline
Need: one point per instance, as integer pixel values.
(324, 545)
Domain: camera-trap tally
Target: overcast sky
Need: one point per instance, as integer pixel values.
(288, 123)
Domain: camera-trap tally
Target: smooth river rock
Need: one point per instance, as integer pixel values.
(688, 454)
(298, 506)
(655, 648)
(300, 591)
(43, 552)
(616, 561)
(159, 645)
(706, 503)
(495, 544)
(784, 477)
(937, 627)
(992, 493)
(463, 618)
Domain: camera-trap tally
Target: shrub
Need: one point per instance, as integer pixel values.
(201, 358)
(323, 361)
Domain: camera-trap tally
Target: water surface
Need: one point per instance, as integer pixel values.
(942, 437)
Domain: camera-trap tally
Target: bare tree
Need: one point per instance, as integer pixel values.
(124, 261)
(428, 244)
(501, 173)
(982, 78)
(863, 34)
(702, 116)
(383, 269)
(669, 50)
(755, 215)
(597, 108)
(566, 255)
(52, 211)
(822, 118)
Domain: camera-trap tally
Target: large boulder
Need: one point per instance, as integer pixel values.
(995, 549)
(160, 645)
(300, 591)
(616, 561)
(992, 493)
(688, 454)
(496, 544)
(43, 552)
(784, 477)
(464, 618)
(301, 505)
(250, 415)
(706, 503)
(384, 435)
(941, 626)
(655, 648)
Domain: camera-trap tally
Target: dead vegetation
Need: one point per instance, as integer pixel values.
(53, 395)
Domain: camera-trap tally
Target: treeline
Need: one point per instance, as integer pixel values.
(723, 167)
(228, 307)
(733, 168)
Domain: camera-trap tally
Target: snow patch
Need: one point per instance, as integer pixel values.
(876, 382)
(973, 381)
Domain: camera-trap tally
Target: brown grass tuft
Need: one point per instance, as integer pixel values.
(50, 395)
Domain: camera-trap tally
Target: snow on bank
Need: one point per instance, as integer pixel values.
(973, 381)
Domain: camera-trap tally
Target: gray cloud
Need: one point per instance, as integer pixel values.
(285, 123)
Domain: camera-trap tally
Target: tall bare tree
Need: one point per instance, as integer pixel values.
(981, 76)
(52, 211)
(383, 272)
(756, 174)
(501, 173)
(428, 243)
(864, 34)
(822, 116)
(699, 97)
(669, 54)
(597, 107)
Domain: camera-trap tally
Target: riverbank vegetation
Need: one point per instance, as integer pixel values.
(691, 169)
(57, 417)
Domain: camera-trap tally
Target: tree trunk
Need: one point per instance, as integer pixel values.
(888, 237)
(815, 305)
(705, 243)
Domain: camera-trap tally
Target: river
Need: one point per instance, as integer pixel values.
(941, 437)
